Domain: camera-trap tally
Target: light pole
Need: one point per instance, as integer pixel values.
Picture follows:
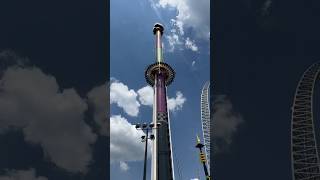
(146, 128)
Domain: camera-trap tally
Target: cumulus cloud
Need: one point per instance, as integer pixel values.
(225, 122)
(178, 27)
(22, 175)
(154, 6)
(146, 95)
(174, 104)
(124, 166)
(48, 115)
(125, 141)
(10, 58)
(266, 7)
(190, 14)
(191, 45)
(193, 15)
(173, 40)
(98, 98)
(124, 98)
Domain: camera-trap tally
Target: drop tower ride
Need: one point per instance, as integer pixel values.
(160, 75)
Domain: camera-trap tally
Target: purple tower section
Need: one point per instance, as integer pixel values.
(161, 94)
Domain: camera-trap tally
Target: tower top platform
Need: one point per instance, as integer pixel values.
(156, 27)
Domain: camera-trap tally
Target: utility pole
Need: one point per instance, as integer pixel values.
(146, 128)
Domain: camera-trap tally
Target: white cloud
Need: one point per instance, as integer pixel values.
(193, 63)
(174, 41)
(226, 121)
(9, 58)
(48, 115)
(266, 7)
(125, 141)
(175, 104)
(124, 98)
(194, 179)
(124, 166)
(146, 95)
(155, 8)
(98, 98)
(178, 26)
(191, 45)
(190, 14)
(22, 175)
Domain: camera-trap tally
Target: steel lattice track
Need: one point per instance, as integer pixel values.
(205, 120)
(304, 152)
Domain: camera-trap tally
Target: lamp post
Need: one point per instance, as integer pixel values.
(146, 128)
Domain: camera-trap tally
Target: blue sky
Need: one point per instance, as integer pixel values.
(186, 49)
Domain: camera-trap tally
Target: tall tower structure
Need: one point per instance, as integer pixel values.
(304, 150)
(205, 120)
(159, 75)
